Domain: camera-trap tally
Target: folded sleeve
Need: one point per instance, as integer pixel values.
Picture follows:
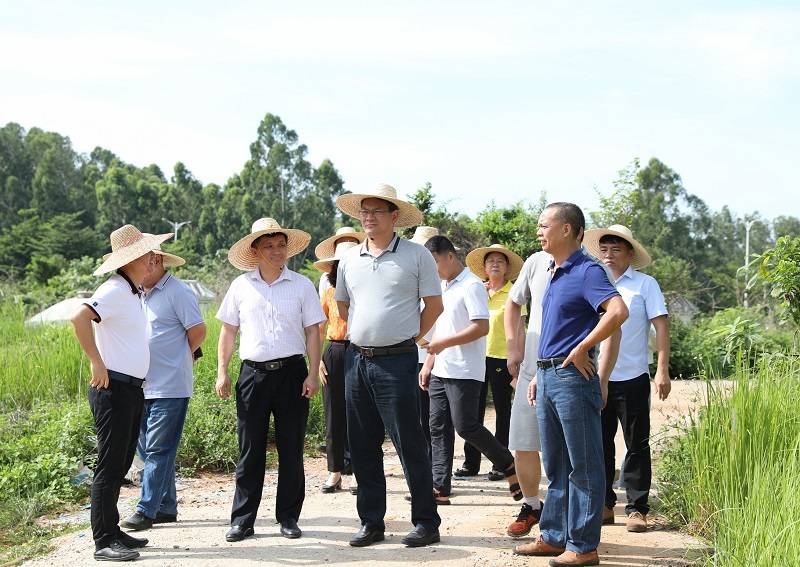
(429, 283)
(653, 299)
(520, 292)
(341, 293)
(186, 306)
(105, 301)
(476, 300)
(310, 305)
(228, 311)
(597, 288)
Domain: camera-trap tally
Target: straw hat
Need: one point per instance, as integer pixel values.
(169, 260)
(476, 259)
(591, 241)
(241, 255)
(327, 247)
(350, 204)
(424, 233)
(128, 244)
(326, 264)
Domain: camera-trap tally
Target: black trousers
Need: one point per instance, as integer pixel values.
(629, 404)
(337, 446)
(117, 412)
(424, 406)
(260, 393)
(498, 377)
(454, 408)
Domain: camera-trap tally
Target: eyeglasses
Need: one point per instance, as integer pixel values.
(365, 213)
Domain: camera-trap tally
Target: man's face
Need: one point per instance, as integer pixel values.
(273, 250)
(617, 255)
(551, 232)
(141, 268)
(444, 264)
(376, 217)
(156, 272)
(495, 265)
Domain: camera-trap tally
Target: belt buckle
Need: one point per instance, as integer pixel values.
(275, 365)
(369, 352)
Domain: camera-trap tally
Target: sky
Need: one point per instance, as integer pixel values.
(485, 100)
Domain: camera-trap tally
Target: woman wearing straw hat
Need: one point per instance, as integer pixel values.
(497, 266)
(327, 248)
(277, 312)
(120, 357)
(331, 374)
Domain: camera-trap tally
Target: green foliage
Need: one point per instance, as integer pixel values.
(780, 268)
(731, 477)
(514, 227)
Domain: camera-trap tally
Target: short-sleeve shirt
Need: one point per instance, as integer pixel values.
(465, 300)
(642, 294)
(571, 304)
(384, 291)
(121, 332)
(337, 327)
(530, 286)
(171, 309)
(271, 317)
(496, 346)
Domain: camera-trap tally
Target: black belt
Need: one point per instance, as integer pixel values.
(276, 364)
(551, 362)
(125, 378)
(339, 341)
(400, 348)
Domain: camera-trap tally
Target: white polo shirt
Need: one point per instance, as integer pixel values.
(271, 317)
(645, 302)
(121, 333)
(465, 300)
(530, 286)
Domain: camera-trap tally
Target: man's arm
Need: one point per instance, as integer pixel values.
(609, 351)
(433, 308)
(425, 371)
(512, 324)
(196, 335)
(82, 321)
(476, 329)
(615, 314)
(313, 350)
(227, 337)
(662, 381)
(344, 309)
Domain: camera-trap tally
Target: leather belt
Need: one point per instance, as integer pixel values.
(276, 364)
(551, 362)
(125, 378)
(404, 347)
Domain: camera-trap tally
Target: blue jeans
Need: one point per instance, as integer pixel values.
(568, 408)
(159, 437)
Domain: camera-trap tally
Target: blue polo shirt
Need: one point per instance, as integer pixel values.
(571, 303)
(171, 310)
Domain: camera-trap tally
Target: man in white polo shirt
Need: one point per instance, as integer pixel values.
(455, 369)
(629, 385)
(277, 312)
(120, 358)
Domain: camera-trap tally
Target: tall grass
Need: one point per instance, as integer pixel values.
(734, 477)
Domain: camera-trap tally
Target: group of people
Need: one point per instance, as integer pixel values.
(415, 339)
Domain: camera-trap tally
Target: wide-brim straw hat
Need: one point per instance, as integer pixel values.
(127, 244)
(408, 216)
(241, 254)
(169, 260)
(476, 259)
(591, 240)
(326, 264)
(424, 233)
(327, 248)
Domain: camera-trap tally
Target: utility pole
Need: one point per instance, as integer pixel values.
(175, 226)
(747, 226)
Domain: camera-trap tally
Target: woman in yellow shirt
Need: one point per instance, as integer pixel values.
(497, 266)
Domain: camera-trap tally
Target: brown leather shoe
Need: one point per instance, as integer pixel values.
(637, 522)
(539, 548)
(571, 559)
(608, 515)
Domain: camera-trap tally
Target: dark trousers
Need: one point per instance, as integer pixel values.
(424, 405)
(498, 377)
(336, 444)
(629, 404)
(454, 408)
(382, 392)
(260, 393)
(117, 412)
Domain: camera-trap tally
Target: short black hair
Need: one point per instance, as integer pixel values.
(614, 239)
(440, 245)
(571, 214)
(332, 275)
(391, 206)
(255, 242)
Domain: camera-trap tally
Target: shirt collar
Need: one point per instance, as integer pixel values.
(392, 247)
(163, 281)
(569, 262)
(135, 290)
(458, 278)
(286, 274)
(627, 274)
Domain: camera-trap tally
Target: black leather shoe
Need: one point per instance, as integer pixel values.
(366, 536)
(131, 542)
(238, 533)
(289, 529)
(420, 537)
(165, 518)
(137, 522)
(116, 552)
(462, 473)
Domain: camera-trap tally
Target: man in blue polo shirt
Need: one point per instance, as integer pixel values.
(570, 391)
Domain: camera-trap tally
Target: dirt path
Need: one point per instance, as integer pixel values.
(473, 527)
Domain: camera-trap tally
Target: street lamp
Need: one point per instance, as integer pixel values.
(747, 226)
(175, 226)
